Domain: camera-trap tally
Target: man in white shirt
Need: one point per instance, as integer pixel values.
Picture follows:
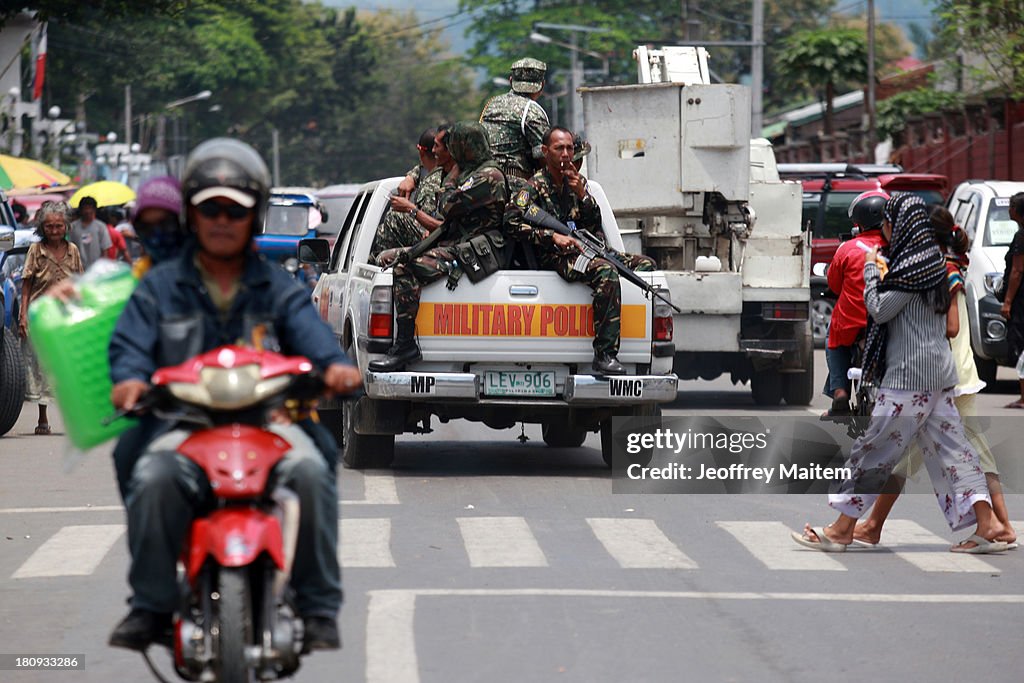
(89, 234)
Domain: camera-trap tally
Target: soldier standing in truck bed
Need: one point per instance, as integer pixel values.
(515, 123)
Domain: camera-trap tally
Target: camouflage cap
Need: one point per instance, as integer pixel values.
(527, 75)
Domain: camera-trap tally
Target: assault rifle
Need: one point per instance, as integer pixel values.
(591, 247)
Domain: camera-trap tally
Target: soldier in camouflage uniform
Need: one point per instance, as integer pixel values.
(515, 123)
(412, 218)
(561, 191)
(476, 205)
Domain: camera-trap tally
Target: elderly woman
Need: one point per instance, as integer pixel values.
(908, 352)
(47, 262)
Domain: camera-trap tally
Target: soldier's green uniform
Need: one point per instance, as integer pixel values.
(402, 229)
(515, 124)
(475, 205)
(599, 275)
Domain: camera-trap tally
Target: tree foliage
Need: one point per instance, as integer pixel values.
(825, 58)
(993, 29)
(80, 10)
(892, 112)
(348, 94)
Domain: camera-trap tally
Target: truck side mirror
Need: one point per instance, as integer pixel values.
(314, 250)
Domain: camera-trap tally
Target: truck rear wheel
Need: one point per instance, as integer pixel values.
(766, 387)
(651, 410)
(798, 388)
(563, 435)
(360, 451)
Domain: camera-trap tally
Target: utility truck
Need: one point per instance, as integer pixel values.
(674, 154)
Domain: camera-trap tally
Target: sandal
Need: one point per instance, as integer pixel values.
(982, 546)
(43, 430)
(823, 544)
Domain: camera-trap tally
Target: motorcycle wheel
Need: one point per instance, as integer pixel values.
(234, 615)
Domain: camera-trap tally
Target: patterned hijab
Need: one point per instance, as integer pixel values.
(916, 264)
(467, 143)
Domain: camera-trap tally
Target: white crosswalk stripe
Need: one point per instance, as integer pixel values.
(496, 542)
(901, 533)
(72, 551)
(769, 542)
(500, 542)
(365, 543)
(639, 544)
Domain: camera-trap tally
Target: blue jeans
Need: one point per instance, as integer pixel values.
(167, 489)
(839, 361)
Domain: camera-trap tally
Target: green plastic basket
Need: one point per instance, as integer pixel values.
(71, 342)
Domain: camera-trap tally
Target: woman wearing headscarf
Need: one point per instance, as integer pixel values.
(908, 356)
(49, 261)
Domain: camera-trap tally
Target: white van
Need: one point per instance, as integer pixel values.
(981, 207)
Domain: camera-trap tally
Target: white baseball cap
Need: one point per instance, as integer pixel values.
(235, 195)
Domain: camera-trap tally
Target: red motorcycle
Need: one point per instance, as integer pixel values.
(234, 621)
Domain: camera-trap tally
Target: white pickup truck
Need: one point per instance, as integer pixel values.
(515, 347)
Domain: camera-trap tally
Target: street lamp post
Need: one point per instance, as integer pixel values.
(162, 127)
(575, 75)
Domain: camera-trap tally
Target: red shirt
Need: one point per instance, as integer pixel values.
(846, 278)
(117, 243)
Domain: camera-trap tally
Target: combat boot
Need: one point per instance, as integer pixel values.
(402, 352)
(607, 364)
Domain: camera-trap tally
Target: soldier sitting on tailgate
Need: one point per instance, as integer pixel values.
(559, 189)
(473, 211)
(515, 123)
(400, 228)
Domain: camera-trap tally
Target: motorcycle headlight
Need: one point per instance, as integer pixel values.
(291, 264)
(228, 388)
(993, 282)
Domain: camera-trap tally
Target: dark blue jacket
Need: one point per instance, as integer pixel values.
(170, 318)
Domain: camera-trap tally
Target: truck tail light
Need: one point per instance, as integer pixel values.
(381, 313)
(785, 311)
(662, 328)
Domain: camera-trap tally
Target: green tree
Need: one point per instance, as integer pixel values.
(892, 112)
(825, 58)
(78, 10)
(347, 95)
(992, 29)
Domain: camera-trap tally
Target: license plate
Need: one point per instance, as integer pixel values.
(519, 383)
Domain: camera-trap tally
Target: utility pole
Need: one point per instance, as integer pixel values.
(872, 133)
(276, 156)
(128, 115)
(576, 108)
(757, 71)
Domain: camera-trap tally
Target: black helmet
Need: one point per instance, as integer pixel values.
(866, 209)
(229, 168)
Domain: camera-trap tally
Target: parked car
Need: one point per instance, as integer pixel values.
(982, 208)
(827, 199)
(337, 199)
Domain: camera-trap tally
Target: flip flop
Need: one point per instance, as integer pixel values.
(1016, 405)
(857, 543)
(823, 544)
(983, 546)
(43, 430)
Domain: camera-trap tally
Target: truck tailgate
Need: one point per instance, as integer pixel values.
(522, 316)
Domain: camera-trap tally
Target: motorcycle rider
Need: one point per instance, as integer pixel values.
(846, 279)
(219, 291)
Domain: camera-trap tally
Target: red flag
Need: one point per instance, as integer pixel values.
(37, 87)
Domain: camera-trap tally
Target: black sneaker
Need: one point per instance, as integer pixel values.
(140, 629)
(320, 633)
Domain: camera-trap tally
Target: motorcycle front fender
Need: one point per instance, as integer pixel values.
(234, 538)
